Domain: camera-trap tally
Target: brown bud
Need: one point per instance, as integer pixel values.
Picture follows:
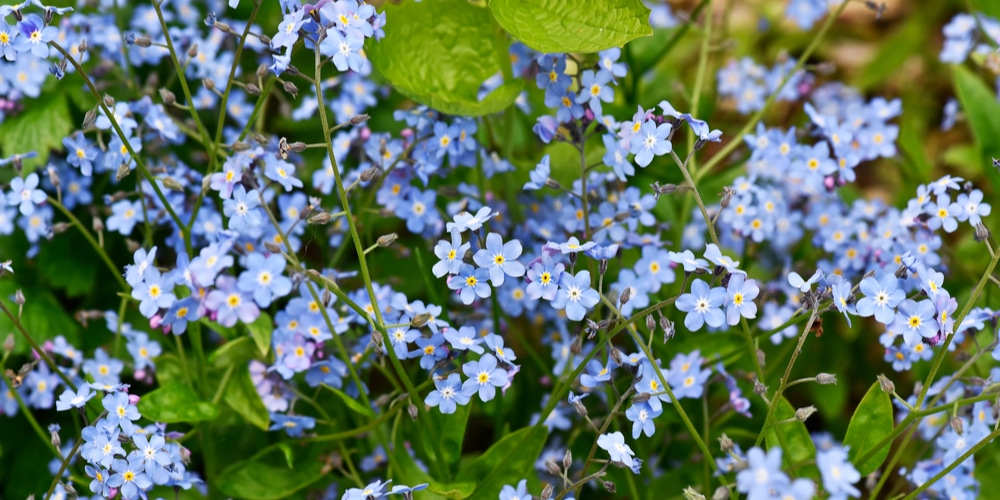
(171, 183)
(552, 184)
(387, 239)
(412, 410)
(567, 459)
(109, 101)
(420, 320)
(89, 118)
(272, 247)
(208, 83)
(143, 41)
(320, 218)
(650, 323)
(616, 356)
(377, 338)
(886, 384)
(803, 414)
(253, 89)
(19, 297)
(97, 225)
(759, 388)
(982, 232)
(547, 491)
(689, 493)
(370, 173)
(192, 50)
(123, 171)
(642, 397)
(8, 343)
(552, 467)
(957, 425)
(609, 486)
(167, 96)
(826, 379)
(726, 444)
(60, 227)
(359, 119)
(290, 88)
(626, 295)
(721, 493)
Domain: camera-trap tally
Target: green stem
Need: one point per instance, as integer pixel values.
(93, 243)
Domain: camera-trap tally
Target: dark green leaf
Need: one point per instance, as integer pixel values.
(176, 403)
(439, 52)
(241, 395)
(44, 317)
(983, 112)
(407, 472)
(506, 462)
(351, 403)
(233, 353)
(269, 476)
(61, 264)
(261, 330)
(42, 126)
(872, 422)
(581, 26)
(451, 428)
(793, 439)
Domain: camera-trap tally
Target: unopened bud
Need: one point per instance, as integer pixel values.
(97, 225)
(208, 83)
(412, 410)
(387, 239)
(290, 88)
(650, 323)
(171, 183)
(902, 272)
(982, 233)
(82, 47)
(726, 444)
(60, 227)
(552, 467)
(826, 379)
(320, 218)
(167, 96)
(642, 397)
(8, 343)
(274, 248)
(721, 493)
(109, 101)
(577, 345)
(420, 320)
(579, 408)
(359, 119)
(547, 491)
(89, 118)
(53, 176)
(759, 388)
(887, 386)
(70, 490)
(253, 89)
(567, 459)
(690, 494)
(54, 435)
(626, 296)
(803, 414)
(19, 297)
(727, 196)
(143, 41)
(192, 50)
(297, 146)
(377, 338)
(370, 173)
(261, 70)
(609, 486)
(552, 184)
(957, 425)
(223, 27)
(668, 328)
(616, 356)
(122, 172)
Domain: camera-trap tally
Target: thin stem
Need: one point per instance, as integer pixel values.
(93, 243)
(783, 383)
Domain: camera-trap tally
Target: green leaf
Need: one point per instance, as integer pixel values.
(793, 439)
(176, 403)
(268, 476)
(351, 403)
(439, 52)
(581, 26)
(40, 128)
(872, 422)
(233, 353)
(261, 330)
(506, 462)
(406, 471)
(61, 264)
(241, 395)
(983, 112)
(44, 316)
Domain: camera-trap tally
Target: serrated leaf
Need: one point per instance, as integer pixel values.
(983, 112)
(581, 26)
(241, 395)
(439, 53)
(793, 438)
(261, 330)
(176, 403)
(268, 476)
(42, 126)
(508, 461)
(233, 353)
(872, 422)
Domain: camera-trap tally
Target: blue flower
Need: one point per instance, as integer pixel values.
(230, 304)
(484, 377)
(641, 415)
(762, 475)
(942, 214)
(69, 399)
(915, 320)
(575, 295)
(282, 172)
(703, 305)
(838, 474)
(264, 278)
(25, 192)
(450, 255)
(472, 282)
(35, 36)
(881, 297)
(372, 490)
(841, 299)
(124, 216)
(121, 411)
(154, 292)
(520, 493)
(539, 175)
(739, 299)
(614, 444)
(294, 425)
(543, 277)
(143, 351)
(464, 339)
(79, 152)
(650, 140)
(344, 49)
(181, 313)
(495, 343)
(594, 89)
(448, 394)
(430, 351)
(500, 258)
(129, 477)
(419, 211)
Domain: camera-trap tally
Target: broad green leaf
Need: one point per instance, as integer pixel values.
(42, 126)
(983, 112)
(912, 130)
(261, 330)
(169, 369)
(439, 52)
(241, 395)
(176, 403)
(269, 476)
(581, 26)
(44, 316)
(406, 471)
(60, 264)
(506, 462)
(232, 353)
(796, 446)
(451, 428)
(352, 403)
(872, 422)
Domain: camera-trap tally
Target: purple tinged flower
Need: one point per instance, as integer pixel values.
(472, 282)
(154, 292)
(484, 377)
(702, 305)
(450, 254)
(500, 258)
(915, 320)
(230, 304)
(448, 394)
(614, 444)
(650, 140)
(546, 128)
(264, 278)
(288, 29)
(739, 299)
(464, 339)
(575, 295)
(881, 297)
(25, 192)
